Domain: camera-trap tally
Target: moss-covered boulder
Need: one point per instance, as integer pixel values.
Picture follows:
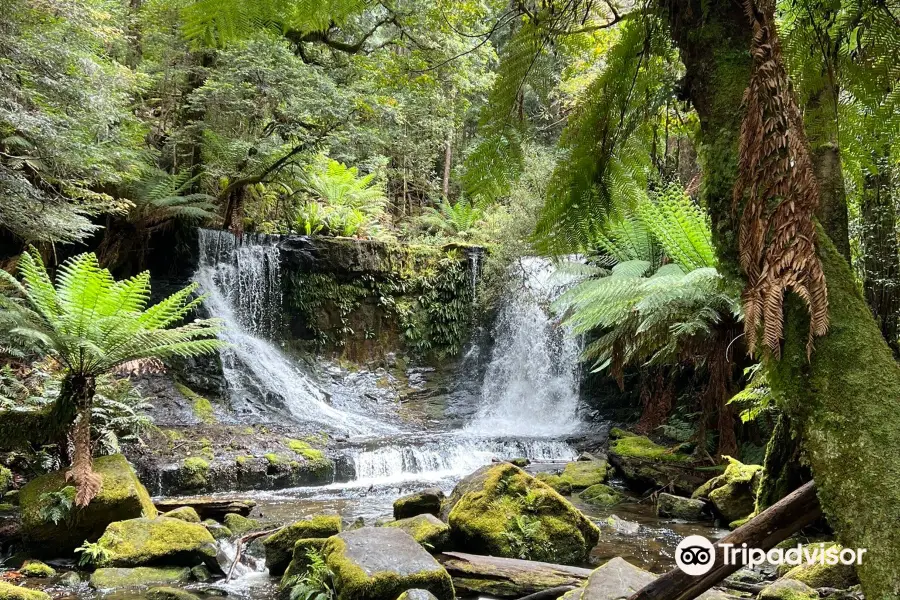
(618, 579)
(138, 577)
(169, 593)
(733, 493)
(185, 513)
(788, 589)
(426, 529)
(35, 568)
(818, 575)
(676, 507)
(503, 511)
(584, 473)
(217, 530)
(9, 591)
(239, 525)
(6, 480)
(644, 464)
(601, 496)
(416, 595)
(121, 497)
(160, 541)
(425, 502)
(280, 545)
(556, 482)
(377, 563)
(300, 560)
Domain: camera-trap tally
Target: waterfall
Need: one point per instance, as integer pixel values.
(241, 281)
(531, 384)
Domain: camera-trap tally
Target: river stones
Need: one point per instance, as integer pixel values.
(601, 496)
(160, 541)
(426, 529)
(121, 497)
(280, 545)
(416, 595)
(676, 507)
(788, 589)
(35, 568)
(501, 510)
(240, 525)
(9, 591)
(138, 577)
(733, 493)
(583, 474)
(184, 513)
(620, 579)
(376, 563)
(208, 507)
(169, 593)
(427, 501)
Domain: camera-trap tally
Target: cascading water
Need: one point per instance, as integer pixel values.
(241, 280)
(531, 385)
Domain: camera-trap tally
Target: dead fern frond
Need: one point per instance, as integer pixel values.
(777, 187)
(140, 366)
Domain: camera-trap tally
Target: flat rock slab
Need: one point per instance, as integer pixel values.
(378, 563)
(618, 579)
(476, 574)
(208, 508)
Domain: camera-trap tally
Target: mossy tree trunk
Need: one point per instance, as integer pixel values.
(844, 401)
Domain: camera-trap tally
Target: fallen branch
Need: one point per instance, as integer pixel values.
(554, 592)
(239, 547)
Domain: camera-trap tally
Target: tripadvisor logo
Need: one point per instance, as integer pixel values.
(696, 555)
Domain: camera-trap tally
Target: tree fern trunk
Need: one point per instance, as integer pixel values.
(844, 400)
(79, 395)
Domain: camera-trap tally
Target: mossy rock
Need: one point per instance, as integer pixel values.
(556, 482)
(280, 545)
(817, 575)
(617, 579)
(194, 473)
(169, 593)
(426, 529)
(300, 559)
(121, 497)
(6, 480)
(241, 525)
(138, 577)
(217, 530)
(35, 568)
(644, 464)
(184, 513)
(9, 591)
(788, 589)
(416, 595)
(501, 510)
(617, 433)
(733, 493)
(639, 446)
(427, 501)
(583, 474)
(380, 563)
(676, 507)
(601, 496)
(160, 541)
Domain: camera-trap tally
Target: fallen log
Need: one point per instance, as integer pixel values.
(772, 526)
(208, 508)
(239, 547)
(507, 577)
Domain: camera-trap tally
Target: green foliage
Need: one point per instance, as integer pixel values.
(56, 507)
(756, 397)
(118, 415)
(318, 581)
(91, 554)
(459, 220)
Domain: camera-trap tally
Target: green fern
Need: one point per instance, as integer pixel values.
(456, 220)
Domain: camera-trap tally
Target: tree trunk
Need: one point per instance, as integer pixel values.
(782, 470)
(82, 390)
(881, 262)
(448, 162)
(844, 399)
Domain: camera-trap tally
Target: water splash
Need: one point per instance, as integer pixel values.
(241, 280)
(531, 383)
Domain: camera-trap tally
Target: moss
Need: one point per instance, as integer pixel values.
(240, 525)
(733, 493)
(142, 542)
(638, 446)
(426, 529)
(6, 508)
(280, 545)
(6, 480)
(195, 473)
(203, 408)
(121, 497)
(217, 530)
(274, 459)
(243, 460)
(601, 496)
(617, 433)
(786, 589)
(169, 593)
(583, 474)
(556, 482)
(300, 559)
(138, 577)
(817, 575)
(305, 450)
(185, 513)
(35, 568)
(425, 501)
(9, 591)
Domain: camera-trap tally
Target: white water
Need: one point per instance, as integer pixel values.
(531, 385)
(242, 284)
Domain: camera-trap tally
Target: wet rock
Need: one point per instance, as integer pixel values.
(427, 501)
(376, 563)
(416, 595)
(169, 593)
(426, 529)
(241, 525)
(201, 573)
(280, 545)
(183, 513)
(217, 530)
(818, 575)
(160, 541)
(676, 507)
(556, 482)
(788, 589)
(138, 577)
(209, 508)
(583, 474)
(520, 462)
(733, 493)
(644, 465)
(35, 568)
(501, 510)
(622, 526)
(601, 496)
(619, 579)
(300, 560)
(69, 579)
(9, 591)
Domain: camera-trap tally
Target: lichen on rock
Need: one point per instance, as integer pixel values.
(601, 496)
(426, 529)
(160, 541)
(9, 591)
(583, 474)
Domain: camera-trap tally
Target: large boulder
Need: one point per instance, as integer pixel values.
(583, 474)
(676, 507)
(556, 482)
(138, 577)
(379, 563)
(9, 591)
(160, 541)
(280, 545)
(733, 493)
(644, 464)
(427, 501)
(819, 574)
(121, 497)
(503, 511)
(788, 589)
(426, 529)
(619, 579)
(185, 513)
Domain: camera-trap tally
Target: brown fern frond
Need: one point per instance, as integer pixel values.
(141, 366)
(777, 187)
(87, 481)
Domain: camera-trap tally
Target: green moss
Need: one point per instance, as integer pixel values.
(300, 560)
(35, 568)
(583, 474)
(817, 575)
(195, 472)
(556, 482)
(305, 450)
(169, 593)
(141, 542)
(6, 480)
(138, 577)
(601, 496)
(280, 545)
(618, 433)
(274, 459)
(733, 493)
(638, 446)
(426, 529)
(185, 513)
(787, 589)
(9, 591)
(217, 530)
(240, 525)
(243, 460)
(203, 408)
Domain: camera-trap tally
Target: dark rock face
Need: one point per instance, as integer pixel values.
(424, 502)
(280, 546)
